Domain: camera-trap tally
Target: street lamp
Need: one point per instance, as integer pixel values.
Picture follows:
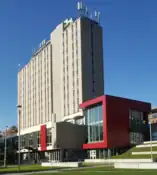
(5, 147)
(151, 150)
(19, 145)
(150, 131)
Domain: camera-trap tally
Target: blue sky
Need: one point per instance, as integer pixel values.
(130, 44)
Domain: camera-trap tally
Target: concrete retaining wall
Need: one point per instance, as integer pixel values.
(146, 146)
(61, 164)
(144, 153)
(135, 165)
(116, 160)
(149, 142)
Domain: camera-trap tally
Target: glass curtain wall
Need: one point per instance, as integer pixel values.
(136, 127)
(30, 140)
(94, 122)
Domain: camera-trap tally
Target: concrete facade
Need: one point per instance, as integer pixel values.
(77, 61)
(35, 89)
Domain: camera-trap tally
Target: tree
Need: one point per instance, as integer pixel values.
(10, 131)
(14, 129)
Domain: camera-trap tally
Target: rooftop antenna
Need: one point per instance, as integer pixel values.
(19, 67)
(91, 15)
(81, 8)
(95, 14)
(98, 17)
(86, 11)
(32, 50)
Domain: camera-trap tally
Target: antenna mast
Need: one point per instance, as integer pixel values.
(83, 11)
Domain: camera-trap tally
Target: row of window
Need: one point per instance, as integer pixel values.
(136, 115)
(92, 58)
(94, 115)
(45, 54)
(94, 122)
(66, 72)
(136, 138)
(95, 133)
(33, 139)
(136, 127)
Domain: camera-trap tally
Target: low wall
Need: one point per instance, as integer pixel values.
(144, 153)
(116, 160)
(146, 145)
(135, 165)
(61, 164)
(147, 142)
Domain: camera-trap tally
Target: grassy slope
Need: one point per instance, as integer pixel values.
(128, 154)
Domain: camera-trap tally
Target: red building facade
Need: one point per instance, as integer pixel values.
(121, 125)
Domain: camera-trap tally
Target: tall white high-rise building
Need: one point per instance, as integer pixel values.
(64, 72)
(77, 61)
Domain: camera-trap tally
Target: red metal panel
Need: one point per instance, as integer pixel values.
(118, 119)
(91, 102)
(94, 145)
(43, 137)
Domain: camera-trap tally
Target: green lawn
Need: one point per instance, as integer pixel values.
(105, 173)
(107, 170)
(25, 168)
(29, 168)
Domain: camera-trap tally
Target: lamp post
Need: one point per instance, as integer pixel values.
(19, 140)
(5, 147)
(150, 132)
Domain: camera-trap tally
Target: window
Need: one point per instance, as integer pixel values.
(38, 138)
(92, 58)
(94, 122)
(30, 140)
(79, 121)
(22, 141)
(154, 115)
(49, 137)
(136, 127)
